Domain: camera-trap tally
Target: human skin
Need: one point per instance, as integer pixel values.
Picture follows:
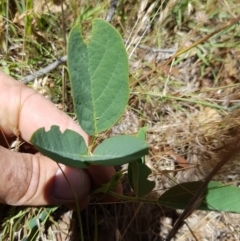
(33, 179)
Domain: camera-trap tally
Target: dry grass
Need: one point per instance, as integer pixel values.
(184, 88)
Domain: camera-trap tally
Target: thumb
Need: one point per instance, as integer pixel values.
(28, 179)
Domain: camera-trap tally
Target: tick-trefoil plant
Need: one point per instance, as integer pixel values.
(98, 71)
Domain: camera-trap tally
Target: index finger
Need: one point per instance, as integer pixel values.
(25, 110)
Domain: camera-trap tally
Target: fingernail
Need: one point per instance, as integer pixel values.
(77, 178)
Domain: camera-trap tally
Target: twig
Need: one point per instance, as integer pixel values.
(111, 11)
(44, 70)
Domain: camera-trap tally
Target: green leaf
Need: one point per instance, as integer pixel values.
(67, 148)
(118, 150)
(142, 134)
(137, 175)
(218, 197)
(179, 196)
(70, 149)
(138, 172)
(99, 76)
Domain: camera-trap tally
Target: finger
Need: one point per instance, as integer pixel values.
(101, 175)
(36, 180)
(27, 111)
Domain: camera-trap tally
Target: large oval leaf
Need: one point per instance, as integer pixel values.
(99, 76)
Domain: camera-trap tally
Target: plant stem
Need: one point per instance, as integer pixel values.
(132, 199)
(77, 204)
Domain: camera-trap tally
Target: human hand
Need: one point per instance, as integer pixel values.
(33, 179)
